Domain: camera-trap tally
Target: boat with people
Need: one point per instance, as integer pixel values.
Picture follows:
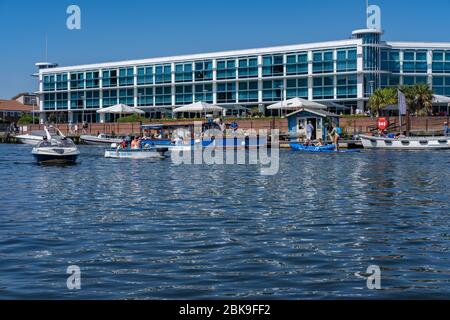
(118, 152)
(54, 149)
(405, 143)
(100, 140)
(33, 138)
(320, 149)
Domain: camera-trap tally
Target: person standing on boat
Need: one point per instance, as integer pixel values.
(335, 136)
(446, 130)
(309, 131)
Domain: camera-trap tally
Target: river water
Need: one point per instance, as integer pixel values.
(154, 230)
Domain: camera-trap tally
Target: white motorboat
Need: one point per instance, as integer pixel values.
(403, 143)
(56, 150)
(116, 152)
(99, 140)
(34, 137)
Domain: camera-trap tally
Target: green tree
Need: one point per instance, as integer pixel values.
(381, 99)
(419, 98)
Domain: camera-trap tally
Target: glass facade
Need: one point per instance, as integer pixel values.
(346, 72)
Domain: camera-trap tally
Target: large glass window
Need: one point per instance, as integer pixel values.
(389, 80)
(226, 69)
(441, 61)
(272, 90)
(126, 96)
(163, 96)
(297, 64)
(163, 74)
(77, 100)
(109, 78)
(183, 72)
(415, 61)
(109, 98)
(441, 86)
(49, 101)
(92, 99)
(226, 92)
(92, 79)
(204, 92)
(390, 60)
(77, 80)
(297, 88)
(347, 87)
(49, 82)
(412, 80)
(323, 88)
(203, 70)
(126, 77)
(248, 91)
(183, 94)
(145, 75)
(145, 97)
(248, 68)
(61, 82)
(323, 62)
(62, 101)
(346, 60)
(273, 66)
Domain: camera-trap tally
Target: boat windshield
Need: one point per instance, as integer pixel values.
(60, 143)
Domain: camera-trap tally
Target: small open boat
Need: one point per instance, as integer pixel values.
(99, 140)
(35, 137)
(324, 149)
(411, 143)
(146, 153)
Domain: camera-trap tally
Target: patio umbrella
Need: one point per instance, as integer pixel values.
(120, 109)
(199, 107)
(296, 103)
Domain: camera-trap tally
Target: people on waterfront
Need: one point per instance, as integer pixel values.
(446, 130)
(335, 136)
(309, 130)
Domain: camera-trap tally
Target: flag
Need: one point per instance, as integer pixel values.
(401, 103)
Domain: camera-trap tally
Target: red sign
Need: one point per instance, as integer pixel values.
(382, 124)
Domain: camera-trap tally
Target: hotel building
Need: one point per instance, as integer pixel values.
(345, 72)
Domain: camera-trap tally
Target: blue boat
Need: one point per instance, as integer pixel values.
(325, 149)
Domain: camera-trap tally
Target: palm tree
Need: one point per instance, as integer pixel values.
(419, 98)
(381, 99)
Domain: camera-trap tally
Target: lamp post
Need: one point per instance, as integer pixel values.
(281, 87)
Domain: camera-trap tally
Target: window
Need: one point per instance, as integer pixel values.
(61, 82)
(183, 72)
(441, 61)
(126, 77)
(411, 80)
(49, 83)
(297, 64)
(145, 97)
(248, 68)
(77, 80)
(109, 78)
(92, 79)
(226, 69)
(415, 62)
(323, 62)
(62, 101)
(323, 88)
(92, 99)
(203, 71)
(49, 101)
(226, 92)
(77, 100)
(163, 74)
(346, 87)
(145, 75)
(272, 90)
(346, 60)
(297, 88)
(204, 92)
(109, 98)
(389, 80)
(390, 60)
(441, 86)
(163, 96)
(248, 91)
(126, 96)
(273, 66)
(183, 95)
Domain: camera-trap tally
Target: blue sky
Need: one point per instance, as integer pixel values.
(132, 29)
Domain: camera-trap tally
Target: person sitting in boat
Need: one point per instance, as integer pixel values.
(135, 145)
(307, 143)
(123, 144)
(319, 143)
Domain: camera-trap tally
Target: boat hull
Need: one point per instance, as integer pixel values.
(135, 154)
(95, 141)
(420, 143)
(49, 159)
(29, 140)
